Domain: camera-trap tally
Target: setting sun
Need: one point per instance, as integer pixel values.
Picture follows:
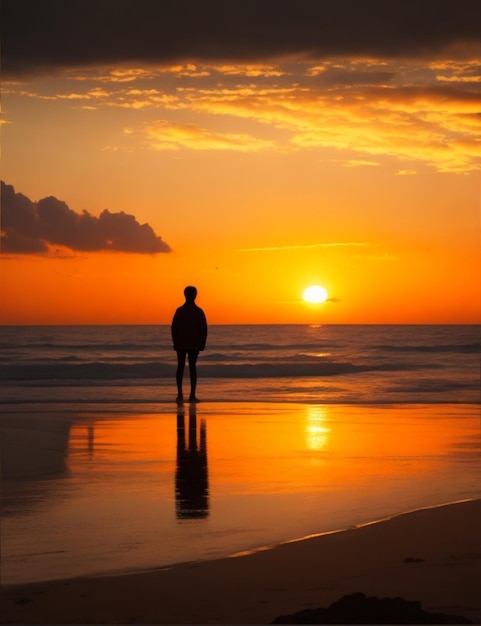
(315, 294)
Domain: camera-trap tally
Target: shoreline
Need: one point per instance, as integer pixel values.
(431, 555)
(19, 407)
(331, 532)
(248, 552)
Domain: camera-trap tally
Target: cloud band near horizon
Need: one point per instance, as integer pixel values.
(33, 228)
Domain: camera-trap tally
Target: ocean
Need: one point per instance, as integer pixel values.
(301, 430)
(268, 363)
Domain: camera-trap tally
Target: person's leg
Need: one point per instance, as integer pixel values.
(179, 375)
(193, 374)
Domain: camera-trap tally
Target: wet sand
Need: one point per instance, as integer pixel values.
(432, 556)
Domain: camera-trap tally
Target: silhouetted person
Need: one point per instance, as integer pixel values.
(191, 476)
(189, 334)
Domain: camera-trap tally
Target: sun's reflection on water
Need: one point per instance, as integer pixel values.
(317, 432)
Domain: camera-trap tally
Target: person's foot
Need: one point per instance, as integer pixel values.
(193, 399)
(179, 400)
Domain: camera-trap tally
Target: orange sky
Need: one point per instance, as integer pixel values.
(360, 174)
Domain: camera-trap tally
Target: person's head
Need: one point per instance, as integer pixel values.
(190, 293)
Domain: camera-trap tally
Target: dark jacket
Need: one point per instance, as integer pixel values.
(189, 328)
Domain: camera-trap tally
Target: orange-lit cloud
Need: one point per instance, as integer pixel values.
(335, 244)
(401, 109)
(163, 135)
(250, 70)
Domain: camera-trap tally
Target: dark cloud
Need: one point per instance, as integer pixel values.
(43, 35)
(354, 78)
(29, 228)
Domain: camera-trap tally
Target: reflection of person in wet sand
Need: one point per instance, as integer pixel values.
(189, 334)
(191, 476)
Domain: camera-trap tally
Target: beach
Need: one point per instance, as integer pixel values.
(432, 556)
(236, 512)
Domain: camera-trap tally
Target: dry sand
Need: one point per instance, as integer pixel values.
(432, 556)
